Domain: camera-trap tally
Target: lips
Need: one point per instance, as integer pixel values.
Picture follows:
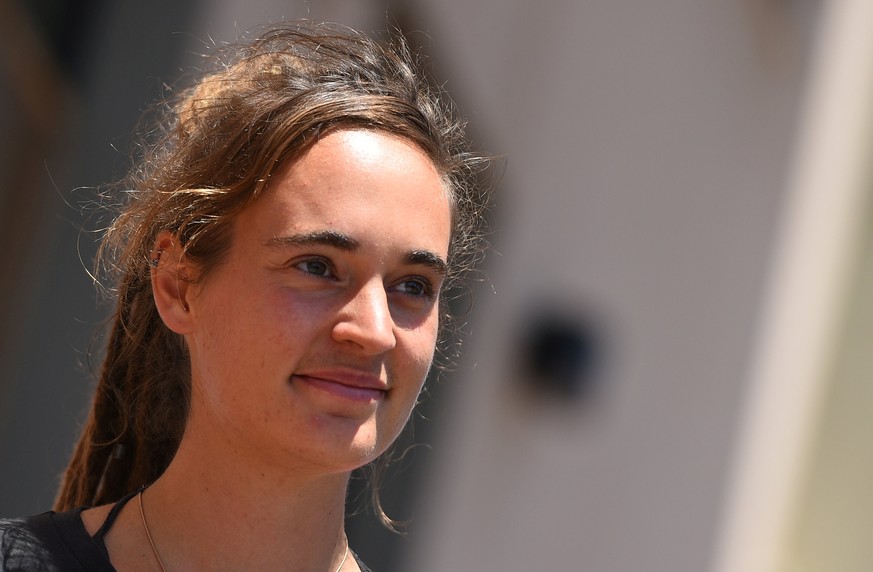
(352, 386)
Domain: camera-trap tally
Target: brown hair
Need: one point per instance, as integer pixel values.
(212, 154)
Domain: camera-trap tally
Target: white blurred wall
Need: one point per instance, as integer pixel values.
(649, 150)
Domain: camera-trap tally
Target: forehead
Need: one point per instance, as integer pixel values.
(369, 184)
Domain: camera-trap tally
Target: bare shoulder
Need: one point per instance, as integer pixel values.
(93, 518)
(127, 547)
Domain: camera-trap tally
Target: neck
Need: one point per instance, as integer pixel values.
(215, 510)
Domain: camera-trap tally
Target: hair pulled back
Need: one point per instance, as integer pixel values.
(213, 153)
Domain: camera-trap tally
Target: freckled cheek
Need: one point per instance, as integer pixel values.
(432, 334)
(421, 346)
(230, 347)
(288, 323)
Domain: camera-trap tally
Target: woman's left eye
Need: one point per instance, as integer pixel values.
(417, 287)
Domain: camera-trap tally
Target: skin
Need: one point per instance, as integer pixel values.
(309, 345)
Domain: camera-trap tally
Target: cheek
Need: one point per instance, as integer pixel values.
(227, 345)
(421, 346)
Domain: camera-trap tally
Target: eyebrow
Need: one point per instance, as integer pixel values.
(346, 243)
(320, 237)
(429, 259)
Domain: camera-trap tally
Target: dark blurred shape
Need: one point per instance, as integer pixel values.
(68, 28)
(66, 115)
(560, 353)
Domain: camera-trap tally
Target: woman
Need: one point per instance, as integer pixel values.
(280, 268)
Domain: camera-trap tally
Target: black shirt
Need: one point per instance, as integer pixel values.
(51, 542)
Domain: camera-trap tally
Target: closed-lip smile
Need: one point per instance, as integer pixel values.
(348, 384)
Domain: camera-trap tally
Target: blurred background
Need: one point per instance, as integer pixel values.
(668, 369)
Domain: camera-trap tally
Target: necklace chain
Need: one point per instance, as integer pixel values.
(145, 525)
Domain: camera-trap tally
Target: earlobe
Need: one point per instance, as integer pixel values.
(170, 276)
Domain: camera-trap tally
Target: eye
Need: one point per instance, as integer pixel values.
(417, 287)
(316, 266)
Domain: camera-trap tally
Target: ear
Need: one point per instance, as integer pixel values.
(171, 283)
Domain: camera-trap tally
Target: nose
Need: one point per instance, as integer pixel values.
(366, 320)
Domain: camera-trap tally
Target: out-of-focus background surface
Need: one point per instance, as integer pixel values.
(670, 369)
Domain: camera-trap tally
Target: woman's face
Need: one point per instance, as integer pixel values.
(310, 342)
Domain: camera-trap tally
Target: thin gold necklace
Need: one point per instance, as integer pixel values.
(145, 525)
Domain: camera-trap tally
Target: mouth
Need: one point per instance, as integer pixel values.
(353, 387)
